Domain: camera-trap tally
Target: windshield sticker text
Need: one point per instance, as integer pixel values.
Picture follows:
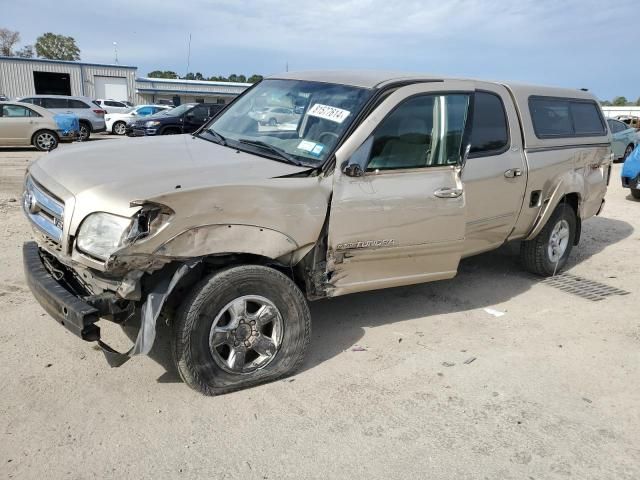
(327, 112)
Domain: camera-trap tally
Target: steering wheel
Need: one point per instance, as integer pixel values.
(331, 134)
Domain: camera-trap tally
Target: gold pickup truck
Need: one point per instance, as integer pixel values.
(374, 180)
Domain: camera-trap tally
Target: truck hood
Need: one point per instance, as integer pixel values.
(107, 175)
(132, 169)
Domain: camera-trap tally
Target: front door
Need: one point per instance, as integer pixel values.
(17, 125)
(195, 118)
(403, 220)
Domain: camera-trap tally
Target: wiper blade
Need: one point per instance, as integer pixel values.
(219, 138)
(278, 151)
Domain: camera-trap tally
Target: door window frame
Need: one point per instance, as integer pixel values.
(496, 152)
(465, 135)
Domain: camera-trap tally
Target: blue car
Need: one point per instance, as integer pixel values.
(631, 173)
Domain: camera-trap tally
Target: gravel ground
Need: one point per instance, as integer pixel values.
(390, 388)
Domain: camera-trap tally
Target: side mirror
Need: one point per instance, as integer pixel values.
(352, 170)
(134, 114)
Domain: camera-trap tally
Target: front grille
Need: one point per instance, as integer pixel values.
(44, 211)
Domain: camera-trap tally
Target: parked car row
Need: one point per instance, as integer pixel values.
(624, 138)
(117, 122)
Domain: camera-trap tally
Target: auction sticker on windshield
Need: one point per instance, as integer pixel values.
(327, 112)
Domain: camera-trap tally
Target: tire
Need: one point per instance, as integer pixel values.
(273, 122)
(536, 255)
(206, 316)
(627, 151)
(119, 128)
(45, 140)
(85, 131)
(635, 193)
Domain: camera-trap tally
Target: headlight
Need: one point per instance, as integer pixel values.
(101, 234)
(152, 123)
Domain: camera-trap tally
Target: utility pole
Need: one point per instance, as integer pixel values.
(115, 50)
(188, 56)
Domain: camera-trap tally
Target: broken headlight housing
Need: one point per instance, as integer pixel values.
(101, 234)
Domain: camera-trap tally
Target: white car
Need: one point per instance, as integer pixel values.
(117, 122)
(113, 106)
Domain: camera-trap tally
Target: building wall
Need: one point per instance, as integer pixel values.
(611, 112)
(16, 76)
(152, 90)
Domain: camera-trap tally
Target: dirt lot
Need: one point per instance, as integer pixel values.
(554, 391)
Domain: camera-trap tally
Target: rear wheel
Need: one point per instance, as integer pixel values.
(273, 122)
(635, 193)
(627, 151)
(240, 327)
(548, 253)
(85, 131)
(45, 140)
(119, 128)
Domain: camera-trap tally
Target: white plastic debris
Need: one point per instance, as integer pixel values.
(494, 312)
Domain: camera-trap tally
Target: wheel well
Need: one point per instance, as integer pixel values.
(87, 123)
(573, 200)
(213, 263)
(170, 128)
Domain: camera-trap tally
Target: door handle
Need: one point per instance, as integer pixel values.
(513, 172)
(447, 192)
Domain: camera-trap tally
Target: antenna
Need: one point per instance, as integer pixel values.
(115, 49)
(286, 67)
(188, 55)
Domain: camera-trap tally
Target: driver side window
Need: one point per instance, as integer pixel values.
(423, 131)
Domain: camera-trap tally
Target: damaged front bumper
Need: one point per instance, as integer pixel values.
(68, 310)
(79, 314)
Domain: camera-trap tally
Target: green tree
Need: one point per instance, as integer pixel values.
(638, 102)
(620, 101)
(25, 52)
(254, 78)
(162, 74)
(57, 47)
(8, 39)
(605, 103)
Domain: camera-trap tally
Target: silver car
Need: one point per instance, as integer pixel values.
(90, 114)
(113, 106)
(275, 115)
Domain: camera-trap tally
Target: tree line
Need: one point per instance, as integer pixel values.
(198, 76)
(48, 45)
(620, 102)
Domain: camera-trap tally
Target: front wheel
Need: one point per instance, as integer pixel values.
(548, 252)
(45, 140)
(635, 193)
(119, 128)
(240, 327)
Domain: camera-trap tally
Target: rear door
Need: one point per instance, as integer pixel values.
(494, 175)
(403, 220)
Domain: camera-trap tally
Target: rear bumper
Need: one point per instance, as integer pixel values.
(68, 310)
(631, 182)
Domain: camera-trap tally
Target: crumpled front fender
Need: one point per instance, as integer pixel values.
(219, 239)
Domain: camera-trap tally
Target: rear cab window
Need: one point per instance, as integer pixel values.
(489, 127)
(565, 117)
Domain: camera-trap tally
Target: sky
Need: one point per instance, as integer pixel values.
(590, 44)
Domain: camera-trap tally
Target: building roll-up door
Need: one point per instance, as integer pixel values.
(114, 88)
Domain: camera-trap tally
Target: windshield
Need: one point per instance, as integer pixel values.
(303, 120)
(175, 111)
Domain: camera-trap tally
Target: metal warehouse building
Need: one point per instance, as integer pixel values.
(20, 77)
(160, 90)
